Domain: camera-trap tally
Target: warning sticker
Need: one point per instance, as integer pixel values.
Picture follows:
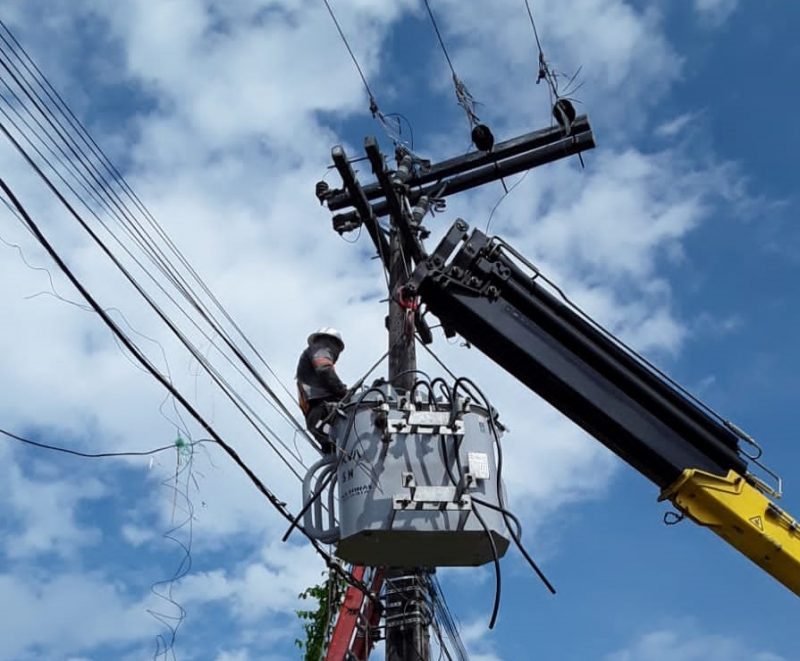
(757, 522)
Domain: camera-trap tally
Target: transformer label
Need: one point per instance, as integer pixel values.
(351, 492)
(478, 465)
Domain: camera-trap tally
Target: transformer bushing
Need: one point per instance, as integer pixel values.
(407, 473)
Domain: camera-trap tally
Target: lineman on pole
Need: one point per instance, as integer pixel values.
(318, 386)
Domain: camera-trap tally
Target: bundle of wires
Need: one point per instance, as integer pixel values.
(455, 396)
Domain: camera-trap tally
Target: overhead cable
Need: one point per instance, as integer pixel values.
(383, 119)
(95, 455)
(179, 484)
(101, 187)
(276, 503)
(481, 135)
(562, 108)
(251, 418)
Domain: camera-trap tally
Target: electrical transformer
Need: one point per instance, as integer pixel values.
(414, 482)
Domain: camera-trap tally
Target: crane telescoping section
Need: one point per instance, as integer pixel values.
(486, 297)
(485, 291)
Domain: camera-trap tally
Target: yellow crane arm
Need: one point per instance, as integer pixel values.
(742, 515)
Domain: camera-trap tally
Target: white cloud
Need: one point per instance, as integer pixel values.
(136, 535)
(689, 645)
(677, 125)
(478, 641)
(67, 613)
(268, 585)
(715, 12)
(238, 655)
(41, 511)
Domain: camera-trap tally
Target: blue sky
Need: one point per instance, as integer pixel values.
(679, 235)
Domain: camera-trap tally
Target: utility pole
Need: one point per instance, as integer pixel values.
(404, 195)
(407, 598)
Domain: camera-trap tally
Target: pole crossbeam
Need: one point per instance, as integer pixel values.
(580, 138)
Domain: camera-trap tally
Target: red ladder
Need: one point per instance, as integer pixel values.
(358, 617)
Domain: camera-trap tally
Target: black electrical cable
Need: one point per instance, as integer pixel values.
(502, 509)
(95, 455)
(136, 352)
(171, 325)
(427, 384)
(404, 372)
(185, 564)
(516, 535)
(151, 250)
(444, 388)
(497, 581)
(350, 50)
(441, 40)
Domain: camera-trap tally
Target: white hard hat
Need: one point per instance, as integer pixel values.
(328, 332)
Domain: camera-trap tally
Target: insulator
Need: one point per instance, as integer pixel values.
(322, 191)
(419, 210)
(564, 112)
(482, 137)
(404, 170)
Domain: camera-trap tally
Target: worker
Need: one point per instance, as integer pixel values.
(318, 386)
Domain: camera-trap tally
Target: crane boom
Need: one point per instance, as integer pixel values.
(491, 296)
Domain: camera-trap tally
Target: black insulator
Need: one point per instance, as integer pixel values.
(322, 190)
(564, 112)
(482, 137)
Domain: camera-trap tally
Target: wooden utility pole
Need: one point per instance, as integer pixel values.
(407, 599)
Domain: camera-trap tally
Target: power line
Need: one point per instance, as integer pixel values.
(213, 373)
(439, 37)
(463, 96)
(121, 211)
(277, 504)
(153, 305)
(97, 455)
(372, 102)
(394, 135)
(562, 109)
(533, 25)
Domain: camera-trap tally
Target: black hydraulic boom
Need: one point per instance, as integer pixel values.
(484, 290)
(484, 294)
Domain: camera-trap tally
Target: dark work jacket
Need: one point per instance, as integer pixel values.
(317, 380)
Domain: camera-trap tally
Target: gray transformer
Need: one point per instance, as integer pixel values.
(407, 476)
